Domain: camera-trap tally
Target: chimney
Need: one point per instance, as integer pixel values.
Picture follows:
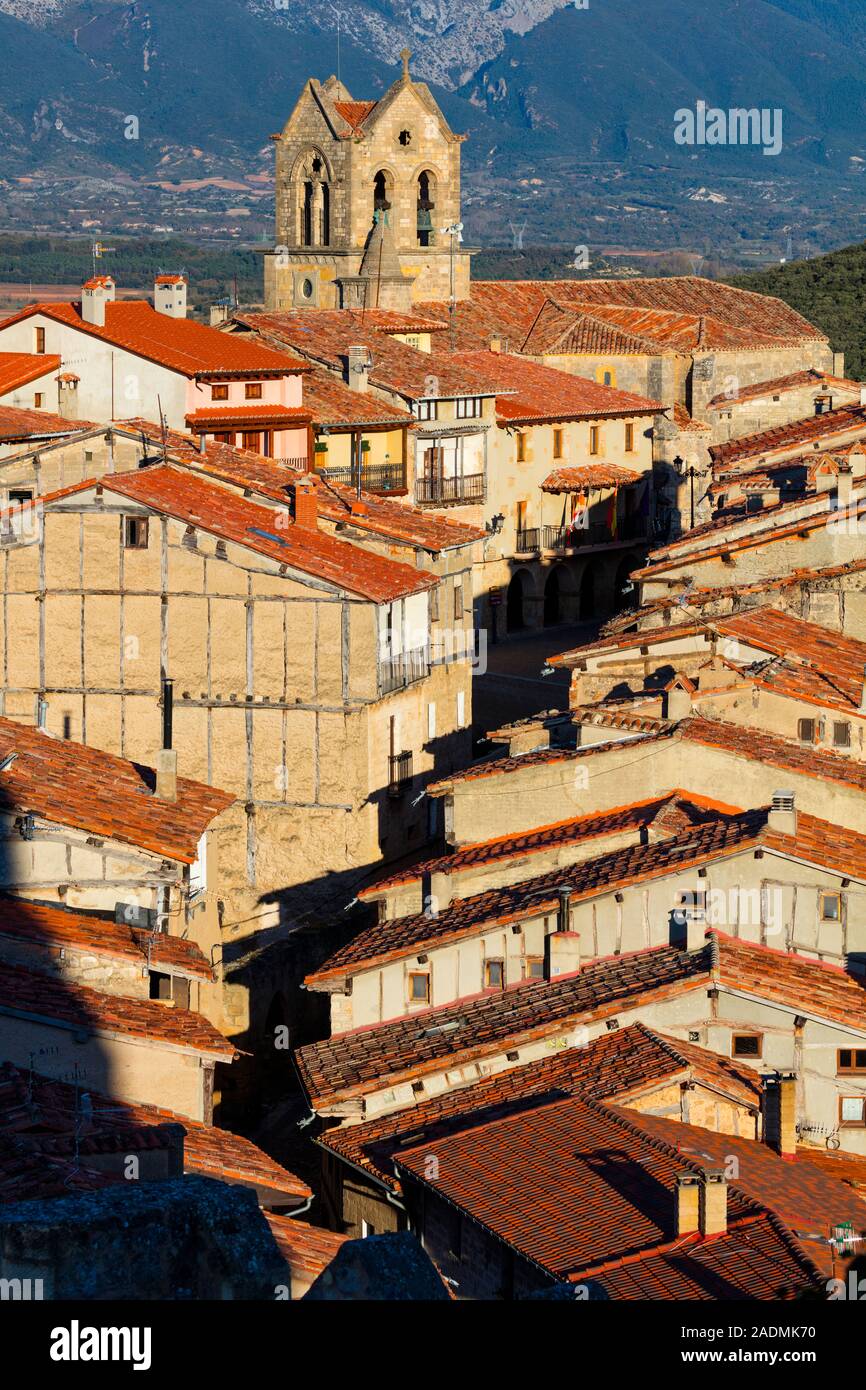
(441, 891)
(562, 947)
(687, 1193)
(166, 763)
(495, 344)
(359, 364)
(857, 461)
(96, 293)
(306, 504)
(678, 703)
(844, 485)
(169, 296)
(713, 1207)
(780, 1113)
(782, 815)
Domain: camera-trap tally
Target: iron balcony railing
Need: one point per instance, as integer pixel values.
(375, 477)
(533, 539)
(433, 491)
(399, 773)
(402, 668)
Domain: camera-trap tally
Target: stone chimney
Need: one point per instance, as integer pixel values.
(844, 485)
(782, 815)
(306, 504)
(713, 1211)
(95, 294)
(678, 702)
(780, 1113)
(358, 364)
(687, 1195)
(169, 296)
(562, 947)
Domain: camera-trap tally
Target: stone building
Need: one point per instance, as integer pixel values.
(365, 192)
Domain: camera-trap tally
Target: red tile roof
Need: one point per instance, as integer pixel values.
(105, 795)
(398, 521)
(325, 336)
(811, 430)
(44, 1114)
(355, 113)
(307, 1250)
(677, 808)
(629, 1060)
(181, 345)
(19, 368)
(331, 402)
(17, 423)
(758, 746)
(30, 1177)
(779, 384)
(589, 475)
(24, 992)
(176, 492)
(574, 1184)
(247, 416)
(59, 928)
(541, 757)
(455, 1035)
(544, 393)
(395, 938)
(804, 986)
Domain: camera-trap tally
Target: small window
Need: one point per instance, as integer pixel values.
(607, 379)
(494, 974)
(830, 907)
(307, 288)
(852, 1110)
(533, 968)
(135, 533)
(367, 1229)
(40, 340)
(38, 398)
(468, 407)
(252, 441)
(629, 437)
(20, 497)
(557, 444)
(851, 1059)
(594, 435)
(160, 986)
(521, 448)
(405, 138)
(419, 987)
(426, 410)
(253, 391)
(434, 605)
(458, 600)
(841, 734)
(746, 1045)
(219, 393)
(806, 730)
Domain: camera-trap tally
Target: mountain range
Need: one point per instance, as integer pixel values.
(570, 108)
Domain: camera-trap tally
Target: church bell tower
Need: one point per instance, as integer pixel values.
(366, 192)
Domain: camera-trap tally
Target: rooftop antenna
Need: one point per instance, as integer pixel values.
(163, 429)
(97, 250)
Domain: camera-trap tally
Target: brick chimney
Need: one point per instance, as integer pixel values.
(782, 816)
(95, 294)
(169, 296)
(687, 1194)
(780, 1113)
(306, 504)
(713, 1210)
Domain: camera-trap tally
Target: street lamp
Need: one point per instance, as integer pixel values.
(689, 473)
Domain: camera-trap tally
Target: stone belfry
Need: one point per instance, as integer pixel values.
(365, 190)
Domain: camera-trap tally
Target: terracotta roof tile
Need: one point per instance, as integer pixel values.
(246, 416)
(18, 423)
(805, 986)
(19, 368)
(779, 384)
(307, 1250)
(627, 1060)
(331, 402)
(544, 393)
(103, 794)
(200, 503)
(181, 345)
(458, 1034)
(589, 475)
(354, 113)
(574, 1185)
(810, 430)
(44, 1115)
(767, 748)
(619, 868)
(88, 1010)
(58, 928)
